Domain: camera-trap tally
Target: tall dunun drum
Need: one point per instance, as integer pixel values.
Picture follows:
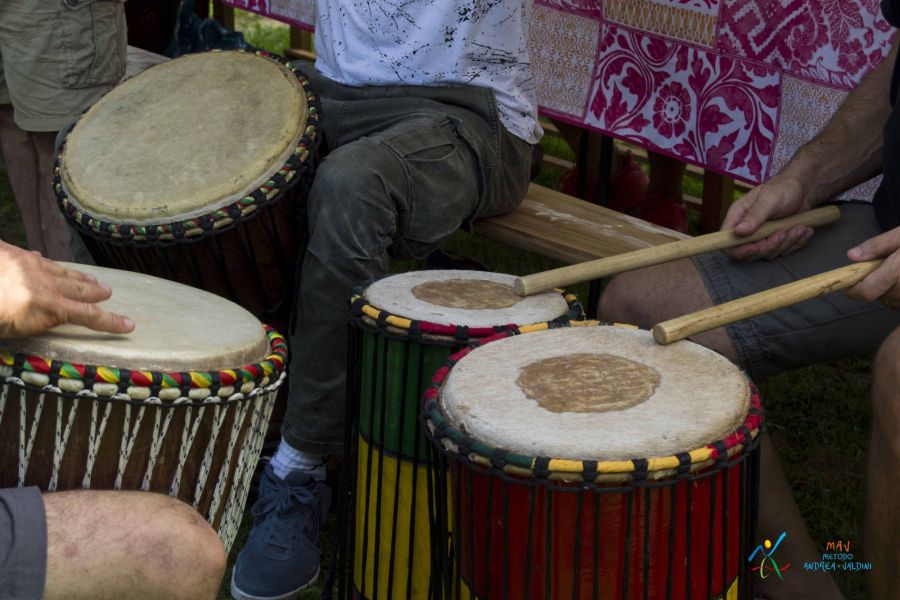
(404, 327)
(192, 171)
(179, 406)
(588, 462)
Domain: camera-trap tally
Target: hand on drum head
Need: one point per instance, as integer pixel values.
(780, 197)
(884, 282)
(37, 294)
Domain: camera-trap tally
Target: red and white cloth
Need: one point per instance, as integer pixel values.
(731, 85)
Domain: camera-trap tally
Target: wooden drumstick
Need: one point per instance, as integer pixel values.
(594, 269)
(761, 302)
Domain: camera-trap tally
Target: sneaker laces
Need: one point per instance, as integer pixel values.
(281, 501)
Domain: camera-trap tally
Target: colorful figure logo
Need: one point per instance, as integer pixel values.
(767, 549)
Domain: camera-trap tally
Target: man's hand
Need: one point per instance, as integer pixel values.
(777, 198)
(884, 282)
(37, 294)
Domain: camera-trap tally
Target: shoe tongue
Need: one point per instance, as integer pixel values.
(299, 478)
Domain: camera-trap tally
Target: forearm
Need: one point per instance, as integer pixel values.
(848, 150)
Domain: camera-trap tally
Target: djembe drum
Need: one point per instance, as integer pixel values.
(404, 327)
(179, 406)
(588, 462)
(192, 171)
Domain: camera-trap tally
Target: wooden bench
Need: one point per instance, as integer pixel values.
(571, 230)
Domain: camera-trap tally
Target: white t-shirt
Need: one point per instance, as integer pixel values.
(433, 42)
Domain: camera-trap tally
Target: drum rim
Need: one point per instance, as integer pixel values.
(452, 441)
(198, 227)
(368, 317)
(26, 368)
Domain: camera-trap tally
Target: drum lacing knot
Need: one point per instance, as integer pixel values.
(124, 380)
(684, 463)
(640, 469)
(721, 451)
(90, 377)
(541, 467)
(744, 434)
(498, 458)
(53, 374)
(184, 384)
(206, 223)
(589, 472)
(216, 383)
(156, 380)
(414, 329)
(462, 333)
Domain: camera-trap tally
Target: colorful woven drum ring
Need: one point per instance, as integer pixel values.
(588, 462)
(195, 171)
(162, 409)
(404, 327)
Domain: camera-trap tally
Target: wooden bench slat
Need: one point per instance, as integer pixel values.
(571, 230)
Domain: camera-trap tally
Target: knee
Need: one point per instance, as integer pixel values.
(352, 174)
(186, 550)
(352, 201)
(620, 301)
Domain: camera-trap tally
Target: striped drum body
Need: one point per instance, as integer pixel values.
(404, 328)
(588, 462)
(180, 406)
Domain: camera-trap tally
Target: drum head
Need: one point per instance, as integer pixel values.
(463, 298)
(183, 138)
(177, 328)
(595, 393)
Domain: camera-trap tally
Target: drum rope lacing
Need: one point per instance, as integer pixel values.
(298, 167)
(260, 400)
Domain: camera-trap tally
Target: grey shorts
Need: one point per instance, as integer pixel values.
(57, 57)
(815, 331)
(23, 544)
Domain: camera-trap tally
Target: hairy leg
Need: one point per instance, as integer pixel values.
(122, 545)
(882, 522)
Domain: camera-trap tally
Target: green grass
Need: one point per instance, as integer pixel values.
(262, 32)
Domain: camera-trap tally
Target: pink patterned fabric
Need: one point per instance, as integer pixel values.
(710, 81)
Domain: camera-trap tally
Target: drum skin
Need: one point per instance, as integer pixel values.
(206, 193)
(82, 409)
(392, 357)
(523, 525)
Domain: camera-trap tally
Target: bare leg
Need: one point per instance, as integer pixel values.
(122, 545)
(655, 294)
(20, 157)
(882, 522)
(53, 224)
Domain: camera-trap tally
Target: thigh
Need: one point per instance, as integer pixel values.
(818, 330)
(402, 188)
(59, 57)
(442, 189)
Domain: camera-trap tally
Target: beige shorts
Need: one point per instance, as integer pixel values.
(57, 57)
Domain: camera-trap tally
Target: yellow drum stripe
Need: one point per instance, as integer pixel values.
(566, 466)
(615, 466)
(382, 520)
(660, 464)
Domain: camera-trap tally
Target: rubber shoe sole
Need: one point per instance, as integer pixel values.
(237, 594)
